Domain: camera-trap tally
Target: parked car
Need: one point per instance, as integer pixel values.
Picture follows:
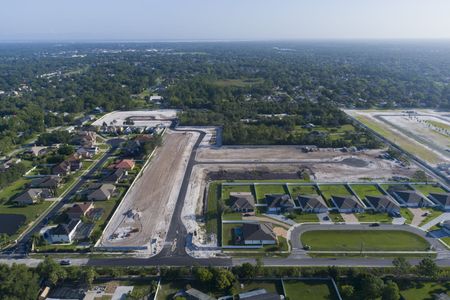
(65, 262)
(374, 225)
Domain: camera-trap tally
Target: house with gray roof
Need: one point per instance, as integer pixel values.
(194, 294)
(279, 203)
(258, 234)
(441, 199)
(242, 202)
(32, 196)
(383, 203)
(410, 198)
(103, 192)
(64, 233)
(258, 294)
(347, 204)
(312, 204)
(50, 182)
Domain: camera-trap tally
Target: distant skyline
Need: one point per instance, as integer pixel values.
(165, 20)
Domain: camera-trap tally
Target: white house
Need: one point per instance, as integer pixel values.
(64, 233)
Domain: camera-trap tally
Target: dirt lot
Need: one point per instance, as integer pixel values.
(422, 132)
(148, 117)
(146, 210)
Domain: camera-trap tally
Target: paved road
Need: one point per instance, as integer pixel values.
(21, 248)
(444, 217)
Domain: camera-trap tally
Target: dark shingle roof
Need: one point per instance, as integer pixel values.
(443, 199)
(346, 202)
(409, 196)
(279, 201)
(311, 202)
(383, 201)
(242, 201)
(258, 231)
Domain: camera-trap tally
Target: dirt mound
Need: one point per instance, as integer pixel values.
(355, 162)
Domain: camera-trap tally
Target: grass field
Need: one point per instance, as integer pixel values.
(405, 143)
(13, 189)
(309, 290)
(297, 190)
(244, 82)
(407, 214)
(303, 217)
(263, 189)
(332, 133)
(366, 190)
(374, 217)
(341, 240)
(227, 235)
(336, 217)
(212, 217)
(425, 290)
(426, 189)
(438, 124)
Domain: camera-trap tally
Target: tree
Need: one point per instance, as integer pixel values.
(223, 279)
(347, 291)
(370, 286)
(390, 291)
(420, 175)
(89, 276)
(203, 275)
(402, 266)
(18, 282)
(51, 271)
(247, 271)
(66, 150)
(427, 267)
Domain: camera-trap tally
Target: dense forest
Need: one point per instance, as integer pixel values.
(260, 92)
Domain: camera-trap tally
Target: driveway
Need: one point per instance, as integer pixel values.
(445, 216)
(324, 216)
(418, 214)
(350, 219)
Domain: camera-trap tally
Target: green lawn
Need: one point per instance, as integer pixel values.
(407, 214)
(13, 189)
(341, 240)
(212, 217)
(426, 189)
(309, 290)
(363, 190)
(446, 240)
(374, 217)
(227, 189)
(395, 187)
(263, 189)
(433, 213)
(336, 217)
(270, 286)
(329, 190)
(303, 217)
(296, 190)
(425, 290)
(227, 235)
(439, 124)
(232, 216)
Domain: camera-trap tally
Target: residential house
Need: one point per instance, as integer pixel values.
(347, 204)
(38, 151)
(64, 233)
(279, 203)
(441, 199)
(383, 203)
(126, 164)
(410, 198)
(242, 202)
(259, 294)
(194, 294)
(312, 204)
(85, 153)
(258, 234)
(115, 176)
(104, 192)
(75, 162)
(62, 169)
(31, 196)
(446, 226)
(79, 210)
(49, 182)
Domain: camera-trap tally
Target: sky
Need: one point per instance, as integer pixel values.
(156, 20)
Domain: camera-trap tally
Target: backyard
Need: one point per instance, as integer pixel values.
(265, 189)
(309, 290)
